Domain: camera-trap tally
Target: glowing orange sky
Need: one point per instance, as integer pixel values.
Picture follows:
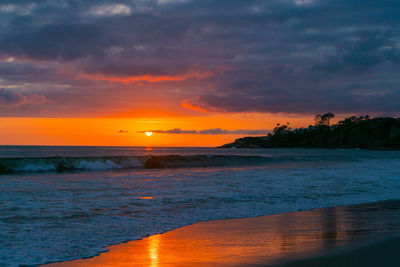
(105, 131)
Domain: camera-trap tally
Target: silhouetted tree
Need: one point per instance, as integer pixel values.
(280, 129)
(324, 120)
(353, 119)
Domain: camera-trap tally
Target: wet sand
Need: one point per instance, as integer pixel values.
(385, 253)
(345, 236)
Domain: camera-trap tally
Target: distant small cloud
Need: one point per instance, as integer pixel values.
(10, 59)
(110, 10)
(123, 131)
(170, 1)
(240, 131)
(303, 2)
(172, 131)
(10, 98)
(18, 9)
(215, 131)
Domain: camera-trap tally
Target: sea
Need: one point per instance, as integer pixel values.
(64, 203)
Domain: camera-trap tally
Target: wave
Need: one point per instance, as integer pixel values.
(61, 164)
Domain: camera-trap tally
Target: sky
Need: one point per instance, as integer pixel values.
(195, 72)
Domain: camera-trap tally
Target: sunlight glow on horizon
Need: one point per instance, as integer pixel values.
(131, 131)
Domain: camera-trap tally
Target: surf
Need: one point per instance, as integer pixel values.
(62, 164)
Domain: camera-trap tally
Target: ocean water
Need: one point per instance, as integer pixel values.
(64, 203)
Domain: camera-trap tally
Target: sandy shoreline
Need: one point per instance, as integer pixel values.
(383, 253)
(269, 241)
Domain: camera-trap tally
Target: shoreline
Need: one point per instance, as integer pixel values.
(379, 253)
(280, 239)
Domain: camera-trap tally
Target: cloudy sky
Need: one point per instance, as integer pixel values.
(250, 60)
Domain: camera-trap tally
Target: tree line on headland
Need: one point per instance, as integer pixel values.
(353, 132)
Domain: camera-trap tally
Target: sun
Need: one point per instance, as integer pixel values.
(148, 133)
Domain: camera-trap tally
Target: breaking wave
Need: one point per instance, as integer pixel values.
(61, 164)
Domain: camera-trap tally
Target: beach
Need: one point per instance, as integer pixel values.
(354, 235)
(191, 205)
(384, 253)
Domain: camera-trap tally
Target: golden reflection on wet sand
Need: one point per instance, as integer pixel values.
(259, 241)
(153, 249)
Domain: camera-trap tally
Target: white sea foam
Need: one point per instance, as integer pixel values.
(12, 165)
(97, 165)
(35, 167)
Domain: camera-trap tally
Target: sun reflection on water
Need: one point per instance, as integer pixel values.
(154, 242)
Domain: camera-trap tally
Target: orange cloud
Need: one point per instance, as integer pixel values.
(187, 104)
(148, 77)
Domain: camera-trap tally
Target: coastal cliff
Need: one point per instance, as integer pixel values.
(353, 132)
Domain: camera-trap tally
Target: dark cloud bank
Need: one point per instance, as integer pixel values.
(279, 56)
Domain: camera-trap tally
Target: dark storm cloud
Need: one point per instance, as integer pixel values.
(277, 56)
(370, 48)
(54, 42)
(214, 131)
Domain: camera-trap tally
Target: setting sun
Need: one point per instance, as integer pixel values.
(148, 133)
